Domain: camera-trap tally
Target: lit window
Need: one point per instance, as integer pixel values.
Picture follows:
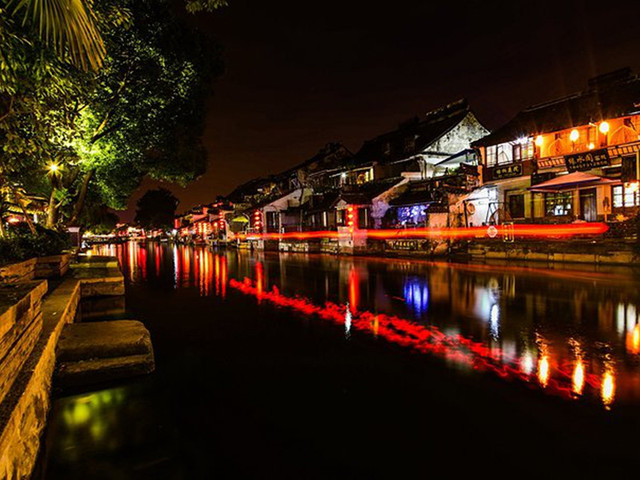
(504, 154)
(624, 197)
(491, 156)
(558, 203)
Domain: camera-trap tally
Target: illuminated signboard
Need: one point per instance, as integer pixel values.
(507, 171)
(551, 162)
(586, 161)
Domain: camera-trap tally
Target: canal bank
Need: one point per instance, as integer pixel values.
(257, 382)
(35, 316)
(593, 250)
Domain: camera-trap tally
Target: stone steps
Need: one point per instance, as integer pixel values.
(100, 370)
(96, 352)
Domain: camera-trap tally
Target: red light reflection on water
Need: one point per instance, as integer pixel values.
(354, 291)
(566, 380)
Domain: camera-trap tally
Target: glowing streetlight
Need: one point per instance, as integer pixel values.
(53, 167)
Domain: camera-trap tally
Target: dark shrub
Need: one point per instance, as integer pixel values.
(20, 244)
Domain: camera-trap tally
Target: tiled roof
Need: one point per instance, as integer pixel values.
(612, 95)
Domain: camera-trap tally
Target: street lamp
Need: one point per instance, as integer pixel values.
(53, 168)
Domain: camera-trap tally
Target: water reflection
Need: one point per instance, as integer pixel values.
(568, 332)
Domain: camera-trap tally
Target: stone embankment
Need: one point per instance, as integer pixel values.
(33, 317)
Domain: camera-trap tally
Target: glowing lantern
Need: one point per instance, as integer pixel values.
(350, 216)
(257, 221)
(574, 135)
(604, 128)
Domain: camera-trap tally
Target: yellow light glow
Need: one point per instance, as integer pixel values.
(604, 127)
(53, 167)
(578, 378)
(608, 388)
(574, 135)
(591, 146)
(539, 141)
(543, 371)
(632, 187)
(527, 363)
(633, 340)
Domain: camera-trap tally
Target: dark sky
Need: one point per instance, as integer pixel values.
(300, 74)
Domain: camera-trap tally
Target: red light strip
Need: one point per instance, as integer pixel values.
(428, 339)
(518, 230)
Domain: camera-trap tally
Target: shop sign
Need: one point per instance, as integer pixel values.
(403, 244)
(537, 178)
(586, 161)
(507, 171)
(550, 162)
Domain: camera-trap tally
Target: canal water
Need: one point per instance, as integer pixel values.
(314, 366)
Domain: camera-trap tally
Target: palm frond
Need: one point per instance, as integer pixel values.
(66, 25)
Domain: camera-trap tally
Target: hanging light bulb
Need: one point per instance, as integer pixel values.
(574, 135)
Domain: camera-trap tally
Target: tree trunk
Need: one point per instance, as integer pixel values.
(52, 210)
(82, 196)
(18, 200)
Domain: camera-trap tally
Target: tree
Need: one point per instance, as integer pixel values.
(66, 25)
(156, 209)
(147, 115)
(141, 114)
(70, 26)
(100, 220)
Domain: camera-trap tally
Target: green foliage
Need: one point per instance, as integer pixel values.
(20, 244)
(156, 209)
(67, 26)
(141, 114)
(97, 218)
(194, 6)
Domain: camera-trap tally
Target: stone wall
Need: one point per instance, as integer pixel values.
(52, 266)
(18, 272)
(23, 411)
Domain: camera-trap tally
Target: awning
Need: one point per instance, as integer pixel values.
(240, 219)
(571, 181)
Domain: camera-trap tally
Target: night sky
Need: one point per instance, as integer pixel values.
(301, 74)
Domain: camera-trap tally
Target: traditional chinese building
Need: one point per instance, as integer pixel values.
(419, 145)
(574, 158)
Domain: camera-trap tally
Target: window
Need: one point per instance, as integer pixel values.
(364, 177)
(624, 197)
(272, 221)
(560, 203)
(517, 152)
(504, 154)
(363, 218)
(491, 155)
(516, 206)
